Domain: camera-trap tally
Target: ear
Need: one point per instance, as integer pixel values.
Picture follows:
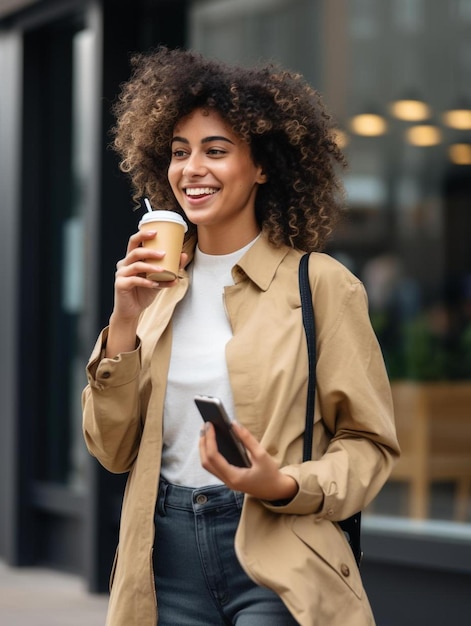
(261, 177)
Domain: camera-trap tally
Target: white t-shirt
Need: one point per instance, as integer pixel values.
(201, 331)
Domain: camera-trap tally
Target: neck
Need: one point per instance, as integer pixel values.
(212, 242)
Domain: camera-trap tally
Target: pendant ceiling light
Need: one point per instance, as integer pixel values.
(424, 135)
(459, 117)
(410, 108)
(460, 153)
(368, 124)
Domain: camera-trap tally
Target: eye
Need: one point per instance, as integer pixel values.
(216, 152)
(178, 153)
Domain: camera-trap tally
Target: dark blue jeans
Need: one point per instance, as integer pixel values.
(198, 578)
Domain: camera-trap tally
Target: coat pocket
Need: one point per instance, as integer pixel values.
(328, 541)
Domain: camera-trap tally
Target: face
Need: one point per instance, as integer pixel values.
(214, 178)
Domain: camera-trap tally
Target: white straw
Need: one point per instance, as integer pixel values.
(148, 205)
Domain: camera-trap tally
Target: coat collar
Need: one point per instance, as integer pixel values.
(259, 263)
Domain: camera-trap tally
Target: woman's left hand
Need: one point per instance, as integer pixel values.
(262, 480)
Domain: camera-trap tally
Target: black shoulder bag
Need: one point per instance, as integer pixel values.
(351, 526)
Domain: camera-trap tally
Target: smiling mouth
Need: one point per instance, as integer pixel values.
(200, 192)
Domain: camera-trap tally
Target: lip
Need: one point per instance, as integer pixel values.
(196, 198)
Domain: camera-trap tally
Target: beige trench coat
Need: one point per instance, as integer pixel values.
(295, 549)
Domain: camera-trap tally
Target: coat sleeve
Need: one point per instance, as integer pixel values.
(356, 426)
(111, 407)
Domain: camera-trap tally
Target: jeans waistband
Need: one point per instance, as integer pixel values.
(196, 500)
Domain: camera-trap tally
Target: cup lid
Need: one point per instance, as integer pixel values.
(163, 216)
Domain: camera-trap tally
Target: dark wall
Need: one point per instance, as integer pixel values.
(409, 596)
(128, 27)
(42, 520)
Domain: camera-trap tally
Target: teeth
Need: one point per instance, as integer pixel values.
(201, 191)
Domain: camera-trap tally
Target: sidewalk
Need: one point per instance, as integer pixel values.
(40, 597)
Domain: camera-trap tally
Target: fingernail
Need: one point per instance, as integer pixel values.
(204, 429)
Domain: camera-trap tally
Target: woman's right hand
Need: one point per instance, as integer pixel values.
(133, 292)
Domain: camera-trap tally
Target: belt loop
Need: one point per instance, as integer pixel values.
(163, 486)
(239, 498)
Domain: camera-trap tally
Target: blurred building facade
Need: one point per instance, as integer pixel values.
(396, 76)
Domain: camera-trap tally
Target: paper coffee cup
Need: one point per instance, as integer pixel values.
(171, 229)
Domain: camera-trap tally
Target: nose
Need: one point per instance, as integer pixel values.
(194, 165)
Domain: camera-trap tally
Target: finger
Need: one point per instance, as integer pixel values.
(183, 260)
(148, 255)
(138, 238)
(204, 428)
(126, 272)
(211, 459)
(254, 448)
(245, 435)
(128, 283)
(208, 439)
(202, 445)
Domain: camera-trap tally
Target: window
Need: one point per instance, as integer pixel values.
(58, 145)
(403, 103)
(410, 247)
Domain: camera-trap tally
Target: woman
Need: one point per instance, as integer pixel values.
(248, 158)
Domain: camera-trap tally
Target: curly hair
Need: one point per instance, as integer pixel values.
(282, 118)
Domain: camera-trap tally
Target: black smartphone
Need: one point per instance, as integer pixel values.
(229, 445)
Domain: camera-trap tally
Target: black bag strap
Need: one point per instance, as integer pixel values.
(310, 329)
(352, 525)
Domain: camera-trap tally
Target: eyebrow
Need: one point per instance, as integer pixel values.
(205, 139)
